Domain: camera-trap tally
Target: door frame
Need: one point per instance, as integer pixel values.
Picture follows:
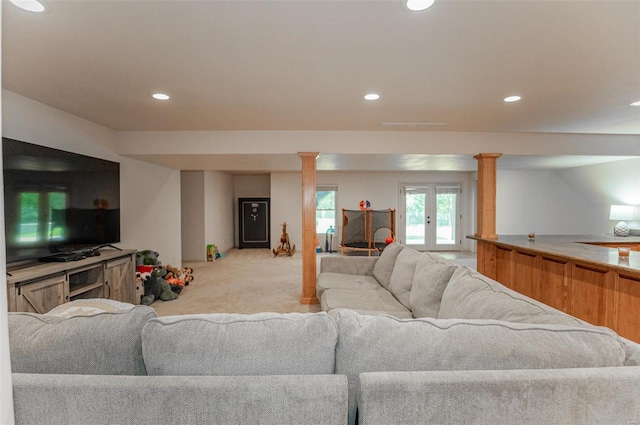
(430, 210)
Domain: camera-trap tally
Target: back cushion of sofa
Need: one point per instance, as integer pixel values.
(384, 266)
(402, 276)
(383, 343)
(429, 282)
(93, 337)
(471, 295)
(238, 344)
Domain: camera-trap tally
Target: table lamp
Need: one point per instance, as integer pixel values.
(622, 213)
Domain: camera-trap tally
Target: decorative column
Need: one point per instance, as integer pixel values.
(486, 215)
(308, 227)
(487, 195)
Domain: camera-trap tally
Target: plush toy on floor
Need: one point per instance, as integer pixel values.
(179, 276)
(156, 287)
(147, 258)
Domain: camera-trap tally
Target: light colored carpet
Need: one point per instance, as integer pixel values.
(245, 281)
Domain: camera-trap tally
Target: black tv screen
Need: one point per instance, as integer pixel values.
(57, 201)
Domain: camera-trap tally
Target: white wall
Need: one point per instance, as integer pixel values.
(193, 215)
(570, 201)
(149, 194)
(381, 189)
(573, 201)
(286, 206)
(207, 212)
(252, 186)
(540, 202)
(219, 208)
(6, 388)
(603, 185)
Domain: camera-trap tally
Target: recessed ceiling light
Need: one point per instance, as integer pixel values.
(636, 103)
(371, 96)
(30, 5)
(160, 96)
(419, 5)
(512, 98)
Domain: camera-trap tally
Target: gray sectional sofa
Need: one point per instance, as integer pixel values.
(449, 347)
(425, 341)
(120, 364)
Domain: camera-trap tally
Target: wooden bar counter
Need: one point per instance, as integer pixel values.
(580, 275)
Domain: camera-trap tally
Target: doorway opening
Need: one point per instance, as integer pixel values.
(430, 217)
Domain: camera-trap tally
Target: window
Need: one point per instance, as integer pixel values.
(325, 208)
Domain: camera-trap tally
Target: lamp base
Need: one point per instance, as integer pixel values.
(621, 229)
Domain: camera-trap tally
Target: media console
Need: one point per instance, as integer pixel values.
(41, 287)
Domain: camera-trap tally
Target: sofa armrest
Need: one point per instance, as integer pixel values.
(633, 352)
(348, 265)
(501, 397)
(156, 400)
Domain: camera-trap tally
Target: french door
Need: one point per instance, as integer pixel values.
(429, 217)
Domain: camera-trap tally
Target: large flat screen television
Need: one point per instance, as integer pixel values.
(57, 202)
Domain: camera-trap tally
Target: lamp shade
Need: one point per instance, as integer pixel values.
(621, 212)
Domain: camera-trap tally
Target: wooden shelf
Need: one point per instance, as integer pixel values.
(40, 287)
(85, 288)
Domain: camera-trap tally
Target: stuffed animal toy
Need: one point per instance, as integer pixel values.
(171, 271)
(165, 275)
(179, 276)
(147, 257)
(185, 274)
(157, 287)
(176, 288)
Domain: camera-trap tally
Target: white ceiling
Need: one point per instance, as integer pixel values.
(305, 65)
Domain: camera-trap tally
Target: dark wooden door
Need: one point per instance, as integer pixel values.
(254, 223)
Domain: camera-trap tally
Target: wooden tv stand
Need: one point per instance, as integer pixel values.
(41, 287)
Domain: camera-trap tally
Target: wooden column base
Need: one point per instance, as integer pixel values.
(309, 301)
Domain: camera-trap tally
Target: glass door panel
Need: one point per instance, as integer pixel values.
(415, 218)
(430, 216)
(447, 198)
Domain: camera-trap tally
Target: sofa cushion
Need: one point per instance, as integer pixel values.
(68, 340)
(402, 275)
(348, 265)
(384, 266)
(369, 300)
(344, 281)
(89, 307)
(429, 282)
(382, 343)
(471, 295)
(239, 344)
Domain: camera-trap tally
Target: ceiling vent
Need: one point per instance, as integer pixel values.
(411, 125)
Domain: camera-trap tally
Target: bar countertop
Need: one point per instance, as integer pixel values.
(576, 248)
